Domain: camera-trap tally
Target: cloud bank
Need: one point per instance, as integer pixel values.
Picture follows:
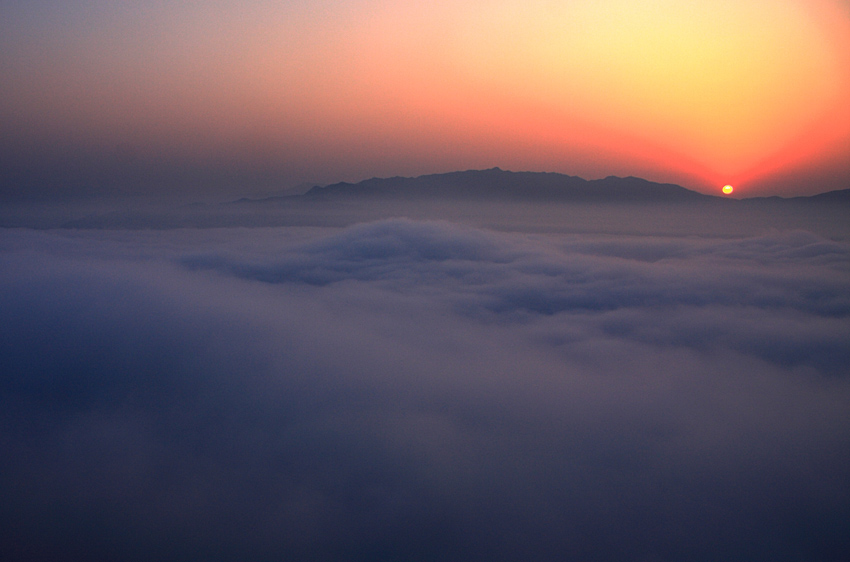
(418, 390)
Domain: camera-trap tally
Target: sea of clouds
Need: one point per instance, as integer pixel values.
(423, 390)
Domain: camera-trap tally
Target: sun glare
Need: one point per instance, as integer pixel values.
(727, 189)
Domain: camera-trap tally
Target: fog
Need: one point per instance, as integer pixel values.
(457, 383)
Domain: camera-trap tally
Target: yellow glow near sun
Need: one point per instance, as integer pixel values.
(727, 189)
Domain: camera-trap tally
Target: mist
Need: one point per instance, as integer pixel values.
(479, 386)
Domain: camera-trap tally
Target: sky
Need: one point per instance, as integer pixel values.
(223, 97)
(408, 390)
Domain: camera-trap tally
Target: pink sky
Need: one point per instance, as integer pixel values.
(702, 93)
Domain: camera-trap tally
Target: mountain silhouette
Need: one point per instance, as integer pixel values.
(505, 185)
(342, 204)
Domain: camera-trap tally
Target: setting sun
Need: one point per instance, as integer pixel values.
(727, 189)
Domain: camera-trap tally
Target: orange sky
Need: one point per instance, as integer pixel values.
(701, 92)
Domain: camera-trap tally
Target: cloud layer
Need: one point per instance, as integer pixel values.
(409, 390)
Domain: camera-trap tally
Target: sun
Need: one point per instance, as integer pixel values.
(727, 189)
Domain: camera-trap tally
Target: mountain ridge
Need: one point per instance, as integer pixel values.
(495, 183)
(469, 193)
